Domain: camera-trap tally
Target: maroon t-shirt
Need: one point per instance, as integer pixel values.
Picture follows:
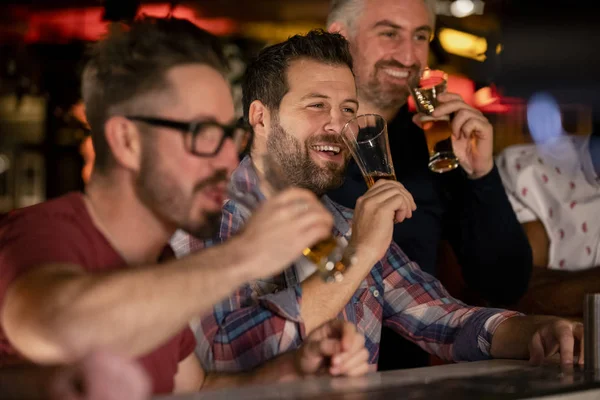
(62, 231)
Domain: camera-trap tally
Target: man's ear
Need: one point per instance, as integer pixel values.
(259, 117)
(124, 141)
(338, 27)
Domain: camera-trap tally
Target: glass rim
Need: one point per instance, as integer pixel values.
(436, 73)
(360, 116)
(433, 70)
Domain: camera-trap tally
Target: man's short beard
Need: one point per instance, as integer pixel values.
(158, 192)
(373, 91)
(155, 188)
(298, 166)
(209, 229)
(384, 98)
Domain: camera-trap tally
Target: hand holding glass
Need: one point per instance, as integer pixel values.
(329, 255)
(438, 131)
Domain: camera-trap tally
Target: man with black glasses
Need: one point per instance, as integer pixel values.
(88, 272)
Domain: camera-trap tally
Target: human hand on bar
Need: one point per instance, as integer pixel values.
(335, 348)
(561, 337)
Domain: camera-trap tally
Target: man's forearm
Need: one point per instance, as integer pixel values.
(280, 369)
(322, 301)
(53, 317)
(512, 337)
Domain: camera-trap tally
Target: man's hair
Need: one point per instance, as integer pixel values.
(132, 62)
(266, 75)
(346, 12)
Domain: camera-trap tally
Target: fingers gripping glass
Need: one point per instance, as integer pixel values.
(438, 131)
(331, 256)
(205, 138)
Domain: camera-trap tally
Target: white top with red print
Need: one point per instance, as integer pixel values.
(556, 184)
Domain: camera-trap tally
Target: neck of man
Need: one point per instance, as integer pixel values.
(263, 185)
(132, 229)
(367, 107)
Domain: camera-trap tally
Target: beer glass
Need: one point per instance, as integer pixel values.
(367, 139)
(437, 130)
(329, 255)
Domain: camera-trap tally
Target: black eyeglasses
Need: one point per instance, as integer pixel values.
(206, 138)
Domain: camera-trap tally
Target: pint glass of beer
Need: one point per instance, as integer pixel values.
(366, 137)
(331, 256)
(437, 130)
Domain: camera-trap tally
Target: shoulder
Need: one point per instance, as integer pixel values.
(57, 231)
(62, 213)
(514, 161)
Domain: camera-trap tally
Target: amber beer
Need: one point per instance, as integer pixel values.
(437, 130)
(373, 177)
(329, 264)
(439, 143)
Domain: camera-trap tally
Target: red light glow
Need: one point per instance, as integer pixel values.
(86, 24)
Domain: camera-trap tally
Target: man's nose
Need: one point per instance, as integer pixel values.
(337, 122)
(406, 53)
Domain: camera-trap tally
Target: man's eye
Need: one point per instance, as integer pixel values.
(389, 34)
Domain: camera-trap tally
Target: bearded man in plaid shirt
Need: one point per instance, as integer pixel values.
(297, 96)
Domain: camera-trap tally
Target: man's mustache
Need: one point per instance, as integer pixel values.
(221, 176)
(395, 64)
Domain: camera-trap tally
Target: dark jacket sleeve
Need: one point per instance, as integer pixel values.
(490, 244)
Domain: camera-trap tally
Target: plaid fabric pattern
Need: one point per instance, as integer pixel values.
(262, 318)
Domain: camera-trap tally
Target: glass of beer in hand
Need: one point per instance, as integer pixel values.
(330, 256)
(367, 138)
(437, 130)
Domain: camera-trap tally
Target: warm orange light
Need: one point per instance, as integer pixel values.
(463, 44)
(274, 32)
(484, 97)
(86, 149)
(488, 100)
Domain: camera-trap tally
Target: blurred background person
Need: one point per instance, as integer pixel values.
(554, 187)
